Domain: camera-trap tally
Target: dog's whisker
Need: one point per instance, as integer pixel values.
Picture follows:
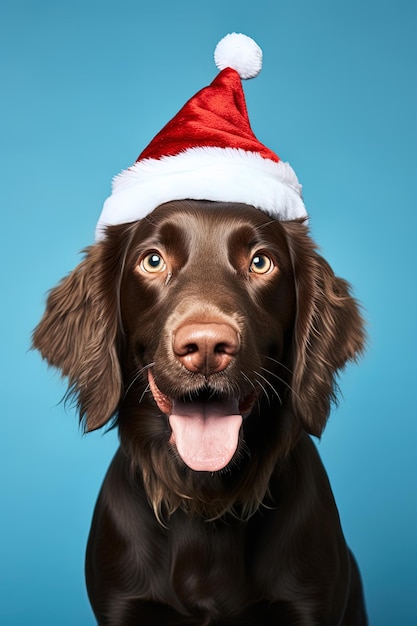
(281, 380)
(266, 394)
(252, 384)
(145, 391)
(270, 358)
(136, 378)
(271, 386)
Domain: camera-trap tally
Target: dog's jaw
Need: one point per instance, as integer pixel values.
(205, 432)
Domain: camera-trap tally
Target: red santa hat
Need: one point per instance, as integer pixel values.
(208, 151)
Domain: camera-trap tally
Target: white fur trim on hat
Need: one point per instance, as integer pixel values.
(204, 173)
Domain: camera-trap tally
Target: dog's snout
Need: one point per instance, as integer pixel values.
(205, 348)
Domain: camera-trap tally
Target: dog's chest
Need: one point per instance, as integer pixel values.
(207, 561)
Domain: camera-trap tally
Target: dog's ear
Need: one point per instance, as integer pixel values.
(78, 334)
(329, 330)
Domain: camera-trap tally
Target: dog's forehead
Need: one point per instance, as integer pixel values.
(204, 220)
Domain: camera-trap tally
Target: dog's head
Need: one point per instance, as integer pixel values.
(212, 334)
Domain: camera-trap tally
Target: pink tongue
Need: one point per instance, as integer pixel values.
(205, 434)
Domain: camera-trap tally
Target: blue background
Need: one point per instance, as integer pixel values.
(85, 86)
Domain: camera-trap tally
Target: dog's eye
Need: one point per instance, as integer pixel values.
(261, 264)
(152, 263)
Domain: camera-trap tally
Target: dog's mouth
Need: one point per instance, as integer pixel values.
(205, 428)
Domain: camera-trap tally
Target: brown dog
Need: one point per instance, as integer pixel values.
(211, 334)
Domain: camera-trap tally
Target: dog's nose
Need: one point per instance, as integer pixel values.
(205, 348)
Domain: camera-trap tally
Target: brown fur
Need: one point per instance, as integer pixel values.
(258, 542)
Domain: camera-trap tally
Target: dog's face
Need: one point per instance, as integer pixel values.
(208, 308)
(213, 334)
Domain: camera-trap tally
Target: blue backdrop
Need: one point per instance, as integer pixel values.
(85, 85)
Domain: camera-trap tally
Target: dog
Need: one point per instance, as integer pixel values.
(211, 335)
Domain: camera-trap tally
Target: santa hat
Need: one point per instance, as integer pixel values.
(208, 151)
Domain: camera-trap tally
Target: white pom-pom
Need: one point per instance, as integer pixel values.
(239, 52)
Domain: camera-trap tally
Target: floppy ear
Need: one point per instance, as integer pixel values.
(329, 330)
(78, 334)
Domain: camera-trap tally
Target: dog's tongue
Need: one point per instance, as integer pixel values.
(205, 433)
